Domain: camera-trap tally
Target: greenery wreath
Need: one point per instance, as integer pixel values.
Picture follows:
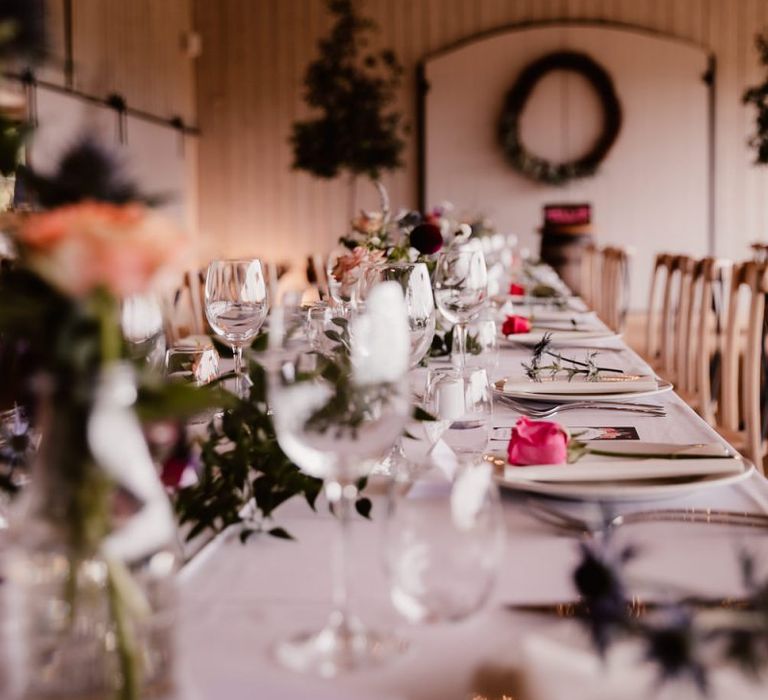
(538, 168)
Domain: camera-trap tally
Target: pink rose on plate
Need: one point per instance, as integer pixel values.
(516, 290)
(516, 324)
(537, 442)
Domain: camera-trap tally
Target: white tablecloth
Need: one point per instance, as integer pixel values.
(239, 599)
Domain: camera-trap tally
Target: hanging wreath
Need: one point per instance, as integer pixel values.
(533, 166)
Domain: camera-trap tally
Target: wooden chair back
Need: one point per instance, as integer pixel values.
(742, 359)
(615, 291)
(590, 274)
(661, 266)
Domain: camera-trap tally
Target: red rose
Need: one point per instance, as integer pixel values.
(516, 324)
(537, 442)
(516, 290)
(426, 238)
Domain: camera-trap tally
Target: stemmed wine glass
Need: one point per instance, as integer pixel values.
(461, 288)
(413, 278)
(236, 306)
(335, 421)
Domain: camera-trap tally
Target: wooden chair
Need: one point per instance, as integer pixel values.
(759, 251)
(700, 336)
(184, 308)
(316, 275)
(614, 297)
(590, 274)
(667, 325)
(687, 268)
(654, 326)
(740, 415)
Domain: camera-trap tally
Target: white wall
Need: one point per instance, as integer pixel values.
(650, 193)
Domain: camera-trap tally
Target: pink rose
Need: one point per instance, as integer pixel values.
(516, 324)
(516, 290)
(537, 442)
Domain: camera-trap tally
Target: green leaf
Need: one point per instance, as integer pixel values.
(422, 415)
(280, 533)
(245, 534)
(363, 506)
(333, 335)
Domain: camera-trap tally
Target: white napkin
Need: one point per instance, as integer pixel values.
(563, 336)
(606, 384)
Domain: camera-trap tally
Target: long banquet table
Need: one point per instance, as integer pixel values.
(237, 600)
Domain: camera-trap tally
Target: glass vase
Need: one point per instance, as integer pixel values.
(92, 555)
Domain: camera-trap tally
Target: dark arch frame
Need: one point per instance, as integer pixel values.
(709, 77)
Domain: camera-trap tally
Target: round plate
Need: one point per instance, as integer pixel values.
(662, 388)
(624, 490)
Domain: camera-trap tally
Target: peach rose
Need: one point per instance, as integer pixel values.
(81, 247)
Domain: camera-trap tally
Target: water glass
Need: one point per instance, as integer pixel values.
(335, 423)
(444, 544)
(141, 322)
(481, 345)
(318, 321)
(462, 402)
(414, 280)
(236, 306)
(461, 288)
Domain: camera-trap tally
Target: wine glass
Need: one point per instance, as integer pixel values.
(444, 543)
(461, 401)
(335, 422)
(461, 288)
(419, 301)
(236, 306)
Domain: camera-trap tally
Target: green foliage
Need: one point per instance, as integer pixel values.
(243, 466)
(13, 133)
(353, 89)
(758, 97)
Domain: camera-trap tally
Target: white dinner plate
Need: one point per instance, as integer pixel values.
(662, 388)
(623, 490)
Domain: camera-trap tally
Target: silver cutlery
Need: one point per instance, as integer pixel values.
(533, 410)
(570, 524)
(636, 607)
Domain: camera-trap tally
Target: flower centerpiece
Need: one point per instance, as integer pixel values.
(93, 551)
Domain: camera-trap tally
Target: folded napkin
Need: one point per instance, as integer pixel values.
(563, 316)
(563, 336)
(608, 383)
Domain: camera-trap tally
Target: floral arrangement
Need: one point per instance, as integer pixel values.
(410, 236)
(60, 322)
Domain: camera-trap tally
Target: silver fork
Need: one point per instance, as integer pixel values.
(539, 411)
(570, 524)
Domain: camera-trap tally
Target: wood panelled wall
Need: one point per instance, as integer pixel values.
(249, 92)
(130, 47)
(245, 91)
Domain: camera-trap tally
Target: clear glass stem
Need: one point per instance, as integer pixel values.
(460, 342)
(240, 378)
(341, 497)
